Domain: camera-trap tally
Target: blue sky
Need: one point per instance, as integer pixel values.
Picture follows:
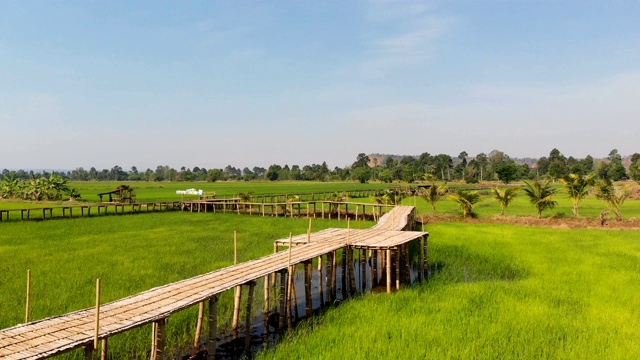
(212, 83)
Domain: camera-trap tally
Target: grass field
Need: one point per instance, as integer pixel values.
(498, 292)
(166, 191)
(130, 254)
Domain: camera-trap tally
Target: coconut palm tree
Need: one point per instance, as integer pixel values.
(504, 197)
(577, 186)
(540, 195)
(466, 200)
(613, 195)
(433, 194)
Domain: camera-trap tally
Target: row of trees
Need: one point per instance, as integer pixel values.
(540, 193)
(495, 165)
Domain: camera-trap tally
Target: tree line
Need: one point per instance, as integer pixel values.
(494, 166)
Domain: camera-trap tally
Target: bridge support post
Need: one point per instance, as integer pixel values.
(388, 262)
(283, 300)
(307, 288)
(157, 348)
(247, 321)
(212, 341)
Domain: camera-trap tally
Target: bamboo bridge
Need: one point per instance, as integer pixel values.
(385, 246)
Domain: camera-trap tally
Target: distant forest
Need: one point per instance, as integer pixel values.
(494, 166)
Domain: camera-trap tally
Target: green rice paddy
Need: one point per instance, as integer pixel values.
(497, 292)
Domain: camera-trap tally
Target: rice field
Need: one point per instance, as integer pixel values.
(129, 254)
(496, 292)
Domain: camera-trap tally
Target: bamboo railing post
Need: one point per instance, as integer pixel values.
(196, 340)
(238, 289)
(290, 281)
(247, 321)
(212, 341)
(28, 304)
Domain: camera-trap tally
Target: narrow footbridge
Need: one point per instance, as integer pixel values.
(386, 243)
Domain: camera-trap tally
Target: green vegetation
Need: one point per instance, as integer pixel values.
(613, 195)
(577, 187)
(130, 254)
(540, 195)
(433, 194)
(465, 200)
(496, 292)
(504, 197)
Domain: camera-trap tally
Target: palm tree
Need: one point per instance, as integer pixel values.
(577, 186)
(614, 196)
(433, 194)
(540, 195)
(504, 197)
(466, 200)
(389, 197)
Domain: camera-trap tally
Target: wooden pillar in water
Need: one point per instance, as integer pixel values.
(247, 321)
(388, 268)
(266, 308)
(290, 290)
(329, 275)
(320, 282)
(397, 268)
(212, 341)
(365, 267)
(421, 260)
(407, 261)
(308, 268)
(344, 273)
(352, 273)
(426, 254)
(283, 301)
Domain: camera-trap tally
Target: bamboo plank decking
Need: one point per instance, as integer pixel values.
(48, 337)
